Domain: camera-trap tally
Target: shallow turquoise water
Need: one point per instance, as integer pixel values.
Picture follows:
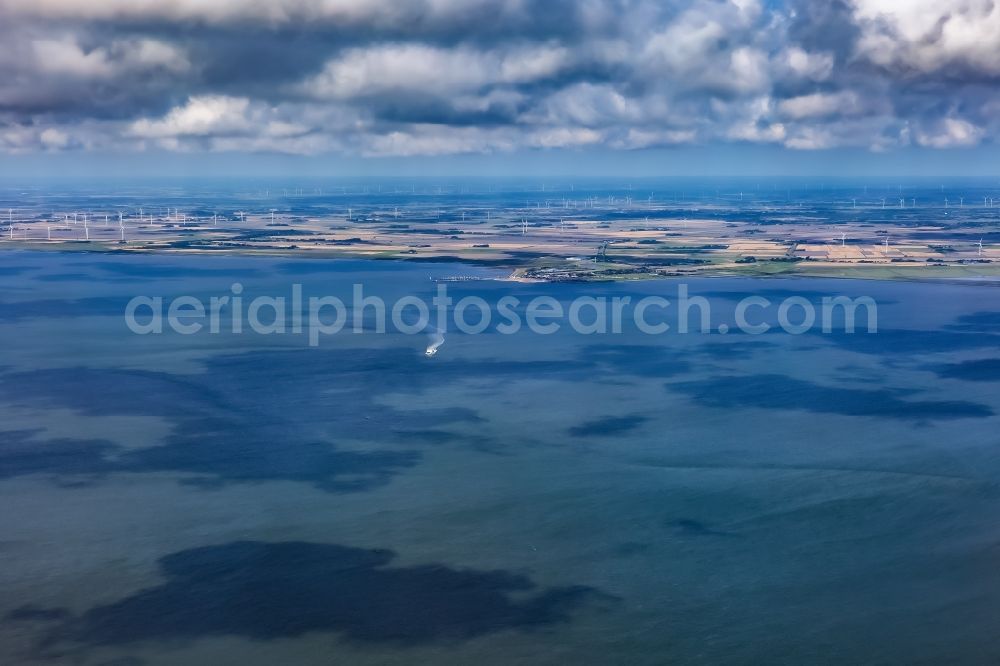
(598, 499)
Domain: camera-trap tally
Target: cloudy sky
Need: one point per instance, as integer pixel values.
(690, 82)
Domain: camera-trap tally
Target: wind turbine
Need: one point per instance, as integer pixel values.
(524, 227)
(843, 239)
(886, 246)
(980, 247)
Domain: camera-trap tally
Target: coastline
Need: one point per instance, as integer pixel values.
(973, 274)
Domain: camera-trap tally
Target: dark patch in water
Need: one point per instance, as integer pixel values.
(64, 277)
(261, 416)
(977, 322)
(695, 528)
(429, 436)
(852, 372)
(220, 452)
(734, 349)
(772, 391)
(309, 267)
(124, 661)
(21, 453)
(227, 428)
(631, 548)
(777, 295)
(9, 271)
(987, 370)
(215, 453)
(611, 425)
(31, 613)
(157, 271)
(268, 591)
(105, 306)
(637, 360)
(910, 342)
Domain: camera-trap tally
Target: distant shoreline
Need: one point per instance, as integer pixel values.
(973, 274)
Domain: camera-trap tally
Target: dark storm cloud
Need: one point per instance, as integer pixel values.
(415, 77)
(825, 27)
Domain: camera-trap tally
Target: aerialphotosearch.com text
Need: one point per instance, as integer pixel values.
(317, 317)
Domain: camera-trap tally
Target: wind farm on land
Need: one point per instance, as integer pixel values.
(548, 235)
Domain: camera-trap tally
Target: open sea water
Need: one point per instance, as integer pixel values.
(547, 499)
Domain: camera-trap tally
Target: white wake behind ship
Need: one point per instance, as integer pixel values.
(437, 339)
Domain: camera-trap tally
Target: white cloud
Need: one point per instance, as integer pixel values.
(400, 67)
(645, 138)
(818, 105)
(753, 121)
(151, 53)
(436, 140)
(930, 35)
(408, 77)
(53, 138)
(949, 133)
(799, 63)
(565, 137)
(215, 11)
(533, 64)
(17, 138)
(811, 138)
(388, 68)
(586, 104)
(757, 132)
(65, 57)
(200, 116)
